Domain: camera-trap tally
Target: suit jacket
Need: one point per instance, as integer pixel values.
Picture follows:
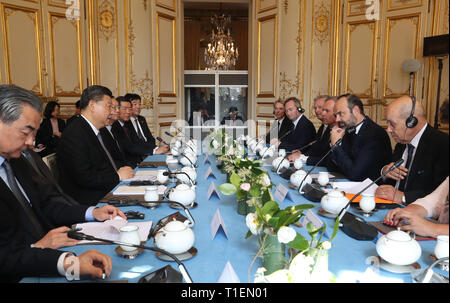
(42, 174)
(134, 152)
(362, 155)
(147, 133)
(17, 258)
(85, 170)
(429, 167)
(286, 125)
(304, 133)
(319, 149)
(71, 119)
(45, 136)
(148, 145)
(114, 148)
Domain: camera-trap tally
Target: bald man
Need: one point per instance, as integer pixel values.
(424, 150)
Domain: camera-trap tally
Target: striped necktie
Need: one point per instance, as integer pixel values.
(26, 206)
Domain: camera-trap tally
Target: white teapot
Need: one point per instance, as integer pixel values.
(398, 248)
(259, 146)
(279, 163)
(192, 146)
(190, 171)
(183, 194)
(298, 177)
(334, 202)
(298, 163)
(175, 237)
(175, 151)
(188, 159)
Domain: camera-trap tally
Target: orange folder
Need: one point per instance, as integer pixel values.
(377, 200)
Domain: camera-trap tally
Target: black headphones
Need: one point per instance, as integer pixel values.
(300, 110)
(412, 121)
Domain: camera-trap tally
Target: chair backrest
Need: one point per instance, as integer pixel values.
(50, 161)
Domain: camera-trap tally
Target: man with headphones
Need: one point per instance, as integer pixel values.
(424, 150)
(365, 147)
(302, 131)
(280, 125)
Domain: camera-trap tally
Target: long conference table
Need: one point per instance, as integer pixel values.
(350, 260)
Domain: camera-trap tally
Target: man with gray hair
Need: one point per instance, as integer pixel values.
(29, 214)
(424, 150)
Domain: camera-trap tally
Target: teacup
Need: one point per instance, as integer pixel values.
(129, 234)
(161, 177)
(323, 178)
(441, 248)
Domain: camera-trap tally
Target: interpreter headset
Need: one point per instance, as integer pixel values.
(412, 121)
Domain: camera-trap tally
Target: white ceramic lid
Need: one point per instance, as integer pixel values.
(182, 187)
(398, 235)
(175, 226)
(335, 193)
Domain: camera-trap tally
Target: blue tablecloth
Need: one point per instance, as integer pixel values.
(349, 259)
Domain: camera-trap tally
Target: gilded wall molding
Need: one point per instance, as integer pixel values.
(107, 19)
(259, 91)
(54, 18)
(322, 24)
(172, 20)
(34, 16)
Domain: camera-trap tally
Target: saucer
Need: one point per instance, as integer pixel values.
(176, 206)
(152, 204)
(398, 269)
(442, 266)
(324, 213)
(129, 254)
(369, 214)
(192, 252)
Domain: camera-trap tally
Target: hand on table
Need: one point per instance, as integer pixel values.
(107, 212)
(56, 238)
(409, 220)
(92, 263)
(388, 192)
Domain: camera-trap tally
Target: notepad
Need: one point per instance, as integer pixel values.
(129, 190)
(110, 229)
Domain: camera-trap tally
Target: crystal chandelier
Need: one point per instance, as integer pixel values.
(221, 54)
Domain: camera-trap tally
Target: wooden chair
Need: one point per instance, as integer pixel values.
(50, 161)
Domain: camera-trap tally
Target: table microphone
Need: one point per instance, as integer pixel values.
(194, 165)
(354, 226)
(166, 173)
(162, 141)
(344, 209)
(300, 150)
(317, 164)
(282, 137)
(169, 134)
(81, 236)
(186, 210)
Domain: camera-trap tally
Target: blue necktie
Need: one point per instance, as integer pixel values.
(402, 185)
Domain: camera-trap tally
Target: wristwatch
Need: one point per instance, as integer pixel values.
(404, 199)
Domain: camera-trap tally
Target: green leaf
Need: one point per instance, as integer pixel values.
(335, 229)
(270, 208)
(235, 180)
(299, 243)
(228, 189)
(249, 234)
(266, 196)
(255, 190)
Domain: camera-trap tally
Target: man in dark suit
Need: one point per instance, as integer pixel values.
(77, 113)
(45, 175)
(322, 145)
(86, 168)
(280, 126)
(365, 146)
(138, 129)
(424, 150)
(302, 131)
(29, 212)
(111, 142)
